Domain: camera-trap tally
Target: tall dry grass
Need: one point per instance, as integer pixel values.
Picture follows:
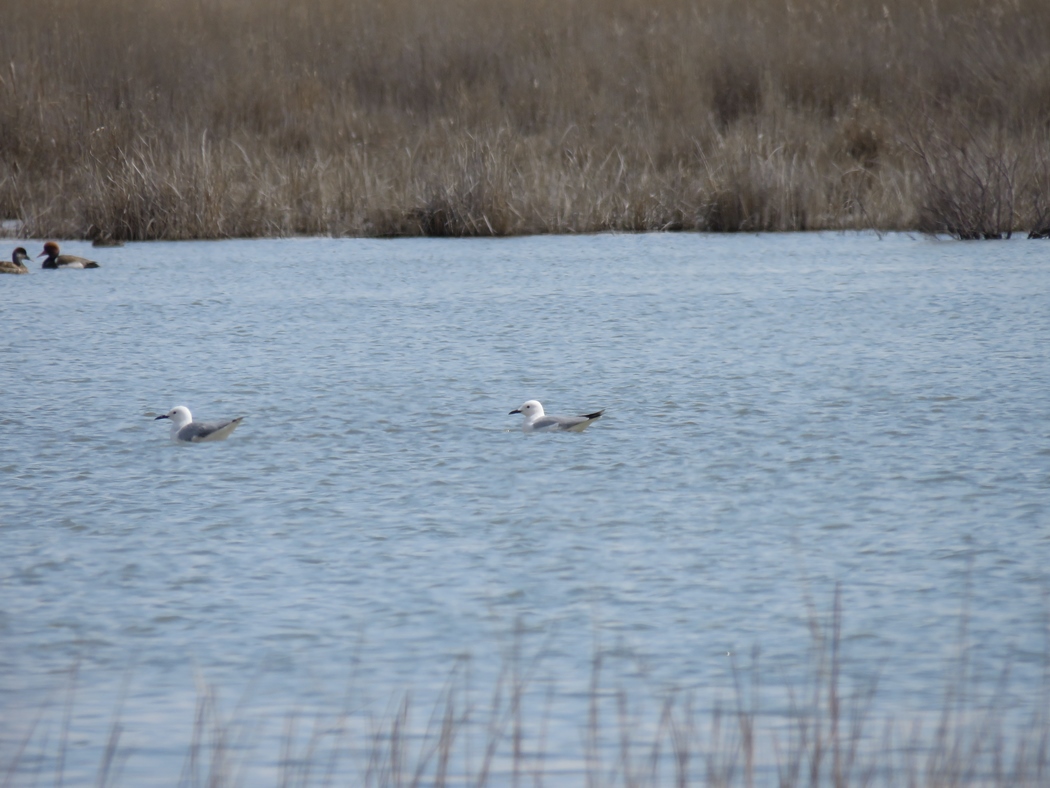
(822, 731)
(214, 118)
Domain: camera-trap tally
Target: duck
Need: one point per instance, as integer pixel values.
(16, 266)
(56, 260)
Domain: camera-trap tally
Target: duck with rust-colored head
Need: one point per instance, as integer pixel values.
(56, 260)
(17, 264)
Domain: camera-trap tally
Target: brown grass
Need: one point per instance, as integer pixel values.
(217, 118)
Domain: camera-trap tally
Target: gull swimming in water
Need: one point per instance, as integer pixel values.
(537, 421)
(56, 260)
(17, 264)
(186, 430)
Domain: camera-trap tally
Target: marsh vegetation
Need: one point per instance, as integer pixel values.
(814, 727)
(220, 118)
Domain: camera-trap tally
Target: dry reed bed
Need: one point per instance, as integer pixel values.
(217, 118)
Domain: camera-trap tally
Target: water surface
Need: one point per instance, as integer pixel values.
(783, 414)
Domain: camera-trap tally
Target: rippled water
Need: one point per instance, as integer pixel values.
(782, 413)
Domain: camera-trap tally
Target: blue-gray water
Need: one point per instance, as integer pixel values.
(783, 413)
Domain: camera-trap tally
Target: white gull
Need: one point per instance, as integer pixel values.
(537, 421)
(186, 430)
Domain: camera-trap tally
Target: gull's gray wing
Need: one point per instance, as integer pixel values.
(197, 431)
(548, 423)
(570, 423)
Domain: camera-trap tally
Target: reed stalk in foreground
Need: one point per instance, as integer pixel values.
(218, 118)
(822, 732)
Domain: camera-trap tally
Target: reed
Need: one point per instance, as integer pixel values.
(217, 118)
(819, 729)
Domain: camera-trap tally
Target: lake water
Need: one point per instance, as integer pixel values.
(784, 413)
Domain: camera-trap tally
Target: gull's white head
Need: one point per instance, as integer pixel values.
(179, 415)
(530, 410)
